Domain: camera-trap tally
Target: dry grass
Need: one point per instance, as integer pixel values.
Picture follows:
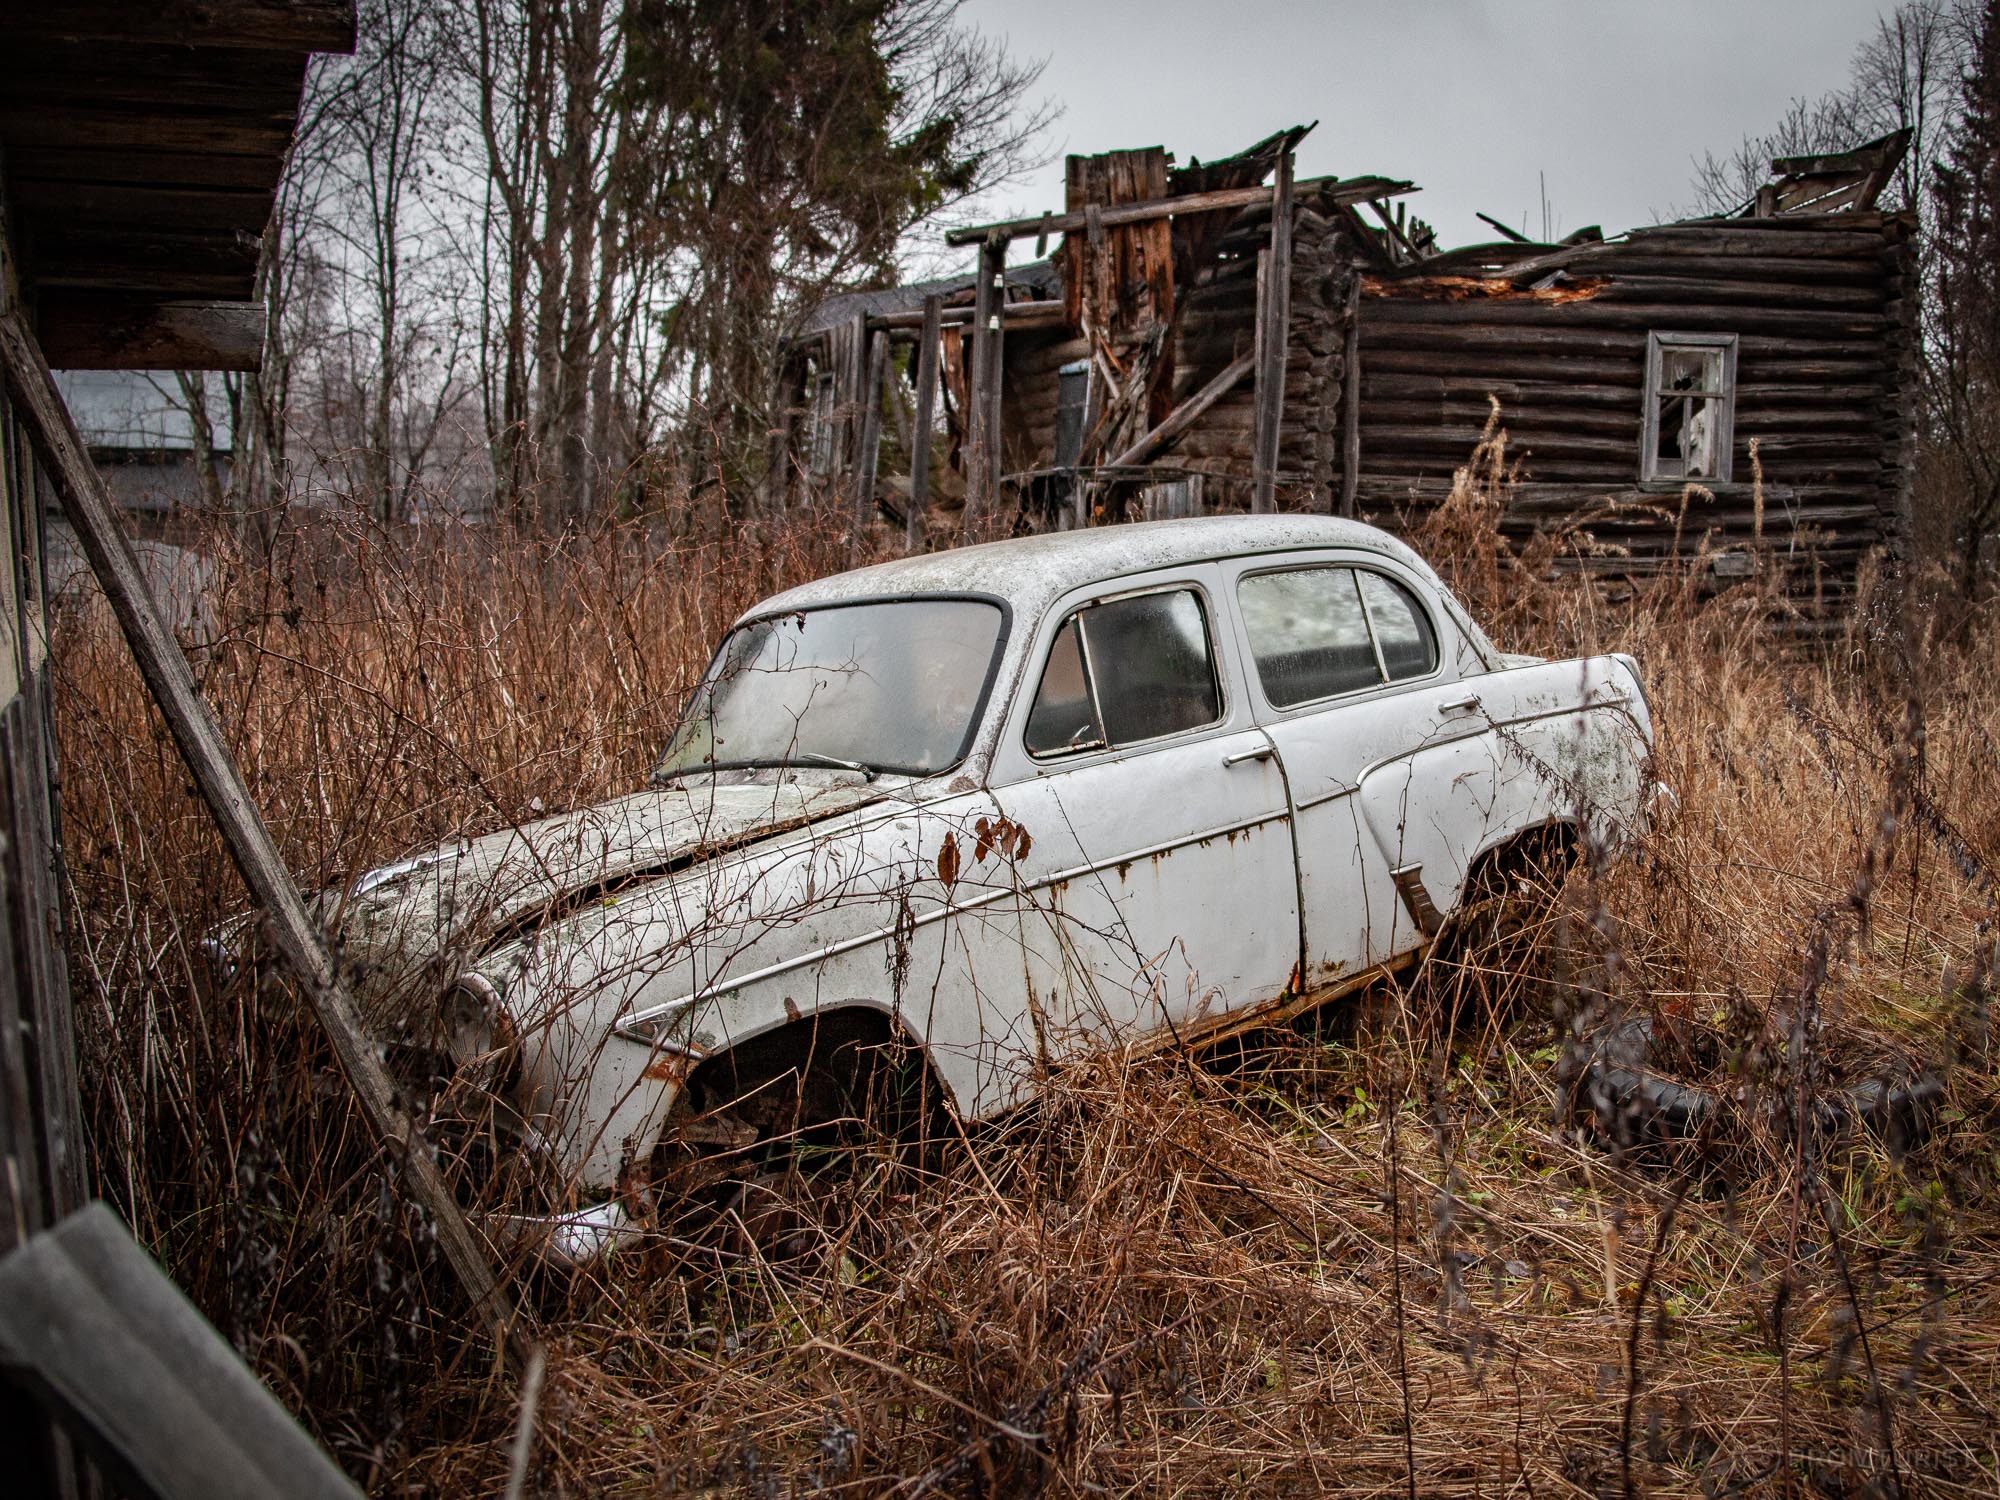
(1368, 1254)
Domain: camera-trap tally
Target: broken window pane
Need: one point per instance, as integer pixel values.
(1690, 382)
(1308, 634)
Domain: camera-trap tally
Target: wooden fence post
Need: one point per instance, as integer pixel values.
(867, 462)
(1274, 315)
(920, 427)
(982, 462)
(199, 740)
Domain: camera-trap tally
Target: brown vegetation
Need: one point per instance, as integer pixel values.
(1368, 1253)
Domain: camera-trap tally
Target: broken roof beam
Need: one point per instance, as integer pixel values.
(1045, 312)
(1327, 189)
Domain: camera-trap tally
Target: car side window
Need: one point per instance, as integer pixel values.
(1318, 632)
(1402, 630)
(1308, 634)
(1125, 671)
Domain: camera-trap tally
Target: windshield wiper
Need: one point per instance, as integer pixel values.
(803, 758)
(813, 757)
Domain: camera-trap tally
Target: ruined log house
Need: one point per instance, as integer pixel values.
(1222, 337)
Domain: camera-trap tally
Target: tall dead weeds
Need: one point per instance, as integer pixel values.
(1375, 1250)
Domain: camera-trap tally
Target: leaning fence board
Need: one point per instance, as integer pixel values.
(199, 740)
(102, 1336)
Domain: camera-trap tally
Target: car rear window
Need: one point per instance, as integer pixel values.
(1315, 632)
(1125, 671)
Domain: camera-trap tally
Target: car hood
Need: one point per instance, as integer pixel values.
(454, 902)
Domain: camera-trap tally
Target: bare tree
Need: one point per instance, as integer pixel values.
(1904, 75)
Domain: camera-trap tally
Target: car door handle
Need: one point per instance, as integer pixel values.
(1237, 757)
(1463, 705)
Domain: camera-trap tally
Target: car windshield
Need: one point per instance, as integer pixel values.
(893, 686)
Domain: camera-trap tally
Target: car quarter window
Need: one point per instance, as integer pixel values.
(1126, 670)
(1317, 632)
(1402, 629)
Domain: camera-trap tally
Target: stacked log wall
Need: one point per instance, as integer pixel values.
(1822, 311)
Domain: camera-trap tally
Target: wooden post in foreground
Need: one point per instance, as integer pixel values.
(201, 745)
(920, 426)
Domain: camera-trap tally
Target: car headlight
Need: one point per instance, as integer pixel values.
(476, 1033)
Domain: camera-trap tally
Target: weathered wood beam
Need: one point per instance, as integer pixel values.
(1274, 317)
(1047, 313)
(293, 25)
(1189, 203)
(920, 443)
(84, 332)
(868, 460)
(1507, 231)
(1187, 413)
(982, 464)
(1350, 401)
(300, 943)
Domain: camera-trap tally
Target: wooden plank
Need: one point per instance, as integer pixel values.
(922, 423)
(1597, 316)
(147, 129)
(84, 332)
(1161, 208)
(1350, 399)
(1274, 321)
(1187, 413)
(198, 738)
(137, 205)
(298, 25)
(1045, 313)
(982, 460)
(867, 461)
(104, 164)
(169, 264)
(106, 1341)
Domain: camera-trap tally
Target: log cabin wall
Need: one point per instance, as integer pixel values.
(1820, 309)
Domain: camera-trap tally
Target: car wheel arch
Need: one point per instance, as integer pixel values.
(826, 1049)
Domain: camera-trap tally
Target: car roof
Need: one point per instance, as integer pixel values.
(1030, 573)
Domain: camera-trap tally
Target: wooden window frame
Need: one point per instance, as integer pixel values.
(1658, 342)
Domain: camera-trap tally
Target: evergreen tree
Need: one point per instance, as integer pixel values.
(1963, 363)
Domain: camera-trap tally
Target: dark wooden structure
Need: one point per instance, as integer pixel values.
(140, 148)
(1222, 336)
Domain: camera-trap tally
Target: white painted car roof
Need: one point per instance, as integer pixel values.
(1032, 572)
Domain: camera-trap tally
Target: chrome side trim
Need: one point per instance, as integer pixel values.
(1325, 797)
(627, 1027)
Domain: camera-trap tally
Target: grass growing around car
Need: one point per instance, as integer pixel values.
(1377, 1251)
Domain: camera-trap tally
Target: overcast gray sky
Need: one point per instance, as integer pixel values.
(1470, 99)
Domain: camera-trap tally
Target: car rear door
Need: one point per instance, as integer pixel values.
(1159, 887)
(1324, 695)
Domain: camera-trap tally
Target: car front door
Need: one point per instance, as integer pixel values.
(1159, 886)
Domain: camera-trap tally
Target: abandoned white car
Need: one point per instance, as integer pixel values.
(997, 805)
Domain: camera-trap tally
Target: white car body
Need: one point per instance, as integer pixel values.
(1012, 909)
